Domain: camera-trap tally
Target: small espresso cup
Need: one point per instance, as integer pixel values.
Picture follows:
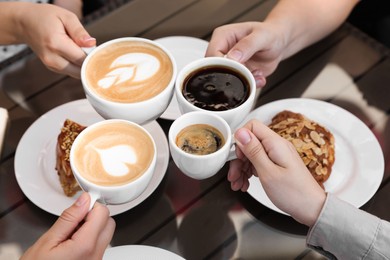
(200, 144)
(113, 160)
(129, 78)
(217, 85)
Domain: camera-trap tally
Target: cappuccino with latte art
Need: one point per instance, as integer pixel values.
(129, 78)
(129, 71)
(113, 154)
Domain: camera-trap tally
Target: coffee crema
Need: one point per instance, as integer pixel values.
(129, 71)
(113, 154)
(200, 139)
(216, 88)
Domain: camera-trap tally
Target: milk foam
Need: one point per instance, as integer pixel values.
(113, 153)
(116, 158)
(129, 71)
(130, 68)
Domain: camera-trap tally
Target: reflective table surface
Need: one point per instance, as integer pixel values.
(190, 218)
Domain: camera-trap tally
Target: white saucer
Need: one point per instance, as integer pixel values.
(3, 125)
(359, 164)
(185, 50)
(35, 158)
(139, 252)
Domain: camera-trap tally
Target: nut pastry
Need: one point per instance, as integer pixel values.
(69, 132)
(314, 143)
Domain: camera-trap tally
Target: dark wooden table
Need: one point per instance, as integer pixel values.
(198, 219)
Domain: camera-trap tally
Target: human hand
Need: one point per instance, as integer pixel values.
(76, 234)
(55, 35)
(282, 173)
(257, 45)
(75, 6)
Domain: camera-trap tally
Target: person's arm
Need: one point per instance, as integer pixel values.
(75, 6)
(289, 27)
(302, 22)
(53, 33)
(77, 234)
(345, 232)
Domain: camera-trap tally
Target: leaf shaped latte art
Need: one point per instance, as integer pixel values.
(116, 158)
(130, 68)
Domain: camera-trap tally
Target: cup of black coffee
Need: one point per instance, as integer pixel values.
(200, 144)
(217, 85)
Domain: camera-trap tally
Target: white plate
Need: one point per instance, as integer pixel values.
(139, 252)
(359, 164)
(3, 125)
(184, 49)
(35, 158)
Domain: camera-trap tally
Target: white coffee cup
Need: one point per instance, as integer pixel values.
(201, 166)
(233, 116)
(129, 78)
(113, 160)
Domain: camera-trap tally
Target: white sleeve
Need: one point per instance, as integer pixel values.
(343, 231)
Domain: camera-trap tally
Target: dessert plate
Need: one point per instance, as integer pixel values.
(359, 163)
(35, 158)
(184, 49)
(139, 252)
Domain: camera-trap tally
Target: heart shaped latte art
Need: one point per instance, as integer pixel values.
(116, 159)
(130, 68)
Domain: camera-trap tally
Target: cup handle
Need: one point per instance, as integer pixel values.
(88, 50)
(94, 197)
(232, 152)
